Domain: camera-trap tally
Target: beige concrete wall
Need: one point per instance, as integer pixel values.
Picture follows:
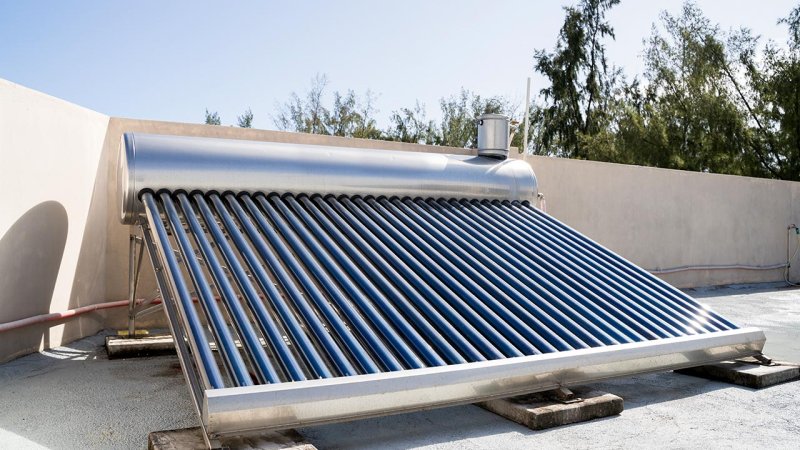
(62, 246)
(661, 218)
(52, 238)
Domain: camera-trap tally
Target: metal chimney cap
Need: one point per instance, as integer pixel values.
(493, 136)
(492, 116)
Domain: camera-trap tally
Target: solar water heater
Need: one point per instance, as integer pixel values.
(308, 284)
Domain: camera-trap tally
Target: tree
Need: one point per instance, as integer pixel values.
(708, 100)
(411, 125)
(305, 115)
(212, 118)
(769, 97)
(580, 83)
(690, 98)
(350, 115)
(457, 127)
(245, 120)
(459, 113)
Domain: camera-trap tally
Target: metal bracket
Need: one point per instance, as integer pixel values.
(764, 360)
(564, 395)
(135, 253)
(759, 359)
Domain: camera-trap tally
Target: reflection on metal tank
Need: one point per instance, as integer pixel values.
(179, 163)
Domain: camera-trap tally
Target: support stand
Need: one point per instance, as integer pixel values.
(555, 408)
(135, 253)
(193, 438)
(756, 372)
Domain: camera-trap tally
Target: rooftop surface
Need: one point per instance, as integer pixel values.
(74, 397)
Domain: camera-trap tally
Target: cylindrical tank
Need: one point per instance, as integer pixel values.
(493, 130)
(159, 162)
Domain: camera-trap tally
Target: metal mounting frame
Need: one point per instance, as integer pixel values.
(285, 405)
(136, 250)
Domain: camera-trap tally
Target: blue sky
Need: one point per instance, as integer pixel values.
(171, 60)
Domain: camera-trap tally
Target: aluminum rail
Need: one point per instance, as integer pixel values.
(173, 163)
(265, 407)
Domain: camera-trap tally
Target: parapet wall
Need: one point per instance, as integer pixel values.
(62, 246)
(661, 219)
(52, 216)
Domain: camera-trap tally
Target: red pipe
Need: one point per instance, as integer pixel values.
(8, 326)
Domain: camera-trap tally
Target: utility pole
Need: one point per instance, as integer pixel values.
(525, 124)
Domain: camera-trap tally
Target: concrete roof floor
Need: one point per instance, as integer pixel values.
(74, 397)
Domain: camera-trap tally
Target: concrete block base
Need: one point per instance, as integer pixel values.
(193, 438)
(124, 347)
(745, 373)
(540, 411)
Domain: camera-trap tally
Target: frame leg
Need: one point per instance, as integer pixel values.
(135, 252)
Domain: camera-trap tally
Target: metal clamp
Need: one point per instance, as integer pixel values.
(764, 360)
(564, 395)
